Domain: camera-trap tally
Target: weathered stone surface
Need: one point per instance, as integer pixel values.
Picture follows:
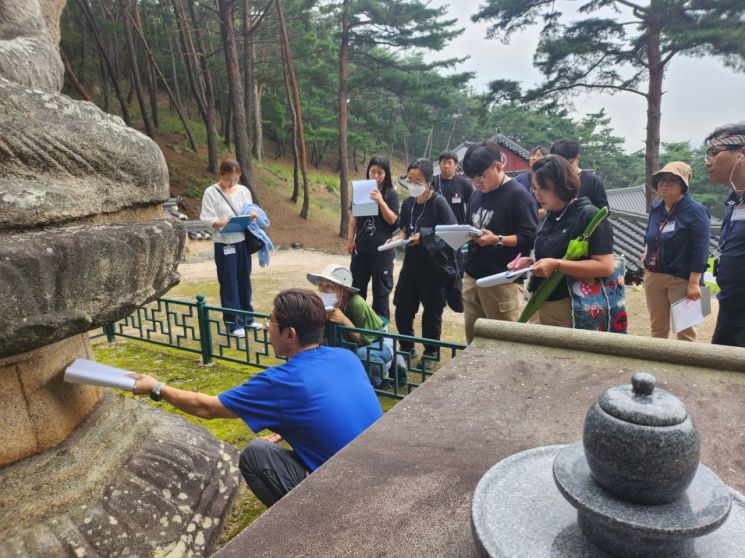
(62, 160)
(67, 281)
(130, 481)
(28, 51)
(42, 410)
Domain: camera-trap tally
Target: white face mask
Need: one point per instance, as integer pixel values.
(416, 190)
(328, 299)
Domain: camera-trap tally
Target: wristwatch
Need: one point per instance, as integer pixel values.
(500, 240)
(155, 392)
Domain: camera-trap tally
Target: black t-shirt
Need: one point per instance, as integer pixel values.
(507, 210)
(414, 216)
(552, 239)
(373, 231)
(591, 187)
(456, 191)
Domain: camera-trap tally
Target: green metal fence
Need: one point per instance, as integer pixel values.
(198, 327)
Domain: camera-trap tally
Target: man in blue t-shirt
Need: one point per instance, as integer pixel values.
(318, 401)
(725, 165)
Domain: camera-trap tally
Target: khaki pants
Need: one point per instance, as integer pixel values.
(496, 303)
(662, 290)
(556, 313)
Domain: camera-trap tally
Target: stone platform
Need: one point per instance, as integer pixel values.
(404, 487)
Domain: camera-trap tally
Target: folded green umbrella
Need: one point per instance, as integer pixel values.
(577, 249)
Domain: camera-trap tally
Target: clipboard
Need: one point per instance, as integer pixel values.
(236, 224)
(456, 235)
(502, 278)
(685, 313)
(362, 205)
(394, 244)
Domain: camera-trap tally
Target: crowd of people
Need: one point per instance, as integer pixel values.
(549, 220)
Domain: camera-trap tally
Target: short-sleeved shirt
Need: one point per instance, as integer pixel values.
(456, 191)
(415, 216)
(731, 275)
(319, 401)
(214, 208)
(372, 231)
(592, 188)
(506, 210)
(363, 317)
(558, 229)
(678, 240)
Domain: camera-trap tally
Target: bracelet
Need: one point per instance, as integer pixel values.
(558, 265)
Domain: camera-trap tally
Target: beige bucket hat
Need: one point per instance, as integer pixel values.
(678, 168)
(336, 274)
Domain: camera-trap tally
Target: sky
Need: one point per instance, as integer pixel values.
(700, 93)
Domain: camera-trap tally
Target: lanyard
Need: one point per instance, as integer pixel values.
(412, 224)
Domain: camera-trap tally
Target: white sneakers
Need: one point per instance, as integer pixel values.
(240, 332)
(256, 325)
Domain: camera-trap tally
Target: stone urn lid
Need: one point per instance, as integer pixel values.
(642, 404)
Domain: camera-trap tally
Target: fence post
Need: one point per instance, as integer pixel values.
(205, 334)
(110, 332)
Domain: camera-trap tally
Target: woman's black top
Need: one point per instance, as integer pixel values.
(560, 227)
(372, 231)
(415, 216)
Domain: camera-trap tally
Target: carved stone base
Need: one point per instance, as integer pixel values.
(130, 481)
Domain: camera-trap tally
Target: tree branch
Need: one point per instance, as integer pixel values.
(635, 7)
(567, 87)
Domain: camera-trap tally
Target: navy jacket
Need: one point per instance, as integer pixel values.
(731, 275)
(678, 241)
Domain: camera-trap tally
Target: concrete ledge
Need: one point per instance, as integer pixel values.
(404, 487)
(648, 348)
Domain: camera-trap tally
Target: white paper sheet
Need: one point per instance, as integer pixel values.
(394, 244)
(83, 371)
(362, 205)
(685, 312)
(456, 235)
(502, 278)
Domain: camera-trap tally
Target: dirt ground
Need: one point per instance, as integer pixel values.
(288, 268)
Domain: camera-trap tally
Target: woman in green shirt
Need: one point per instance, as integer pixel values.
(347, 308)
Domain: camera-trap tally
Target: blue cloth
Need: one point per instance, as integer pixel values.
(257, 226)
(731, 274)
(685, 249)
(234, 277)
(319, 401)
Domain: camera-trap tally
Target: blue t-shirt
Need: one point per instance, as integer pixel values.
(319, 401)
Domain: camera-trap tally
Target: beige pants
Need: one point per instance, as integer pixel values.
(556, 313)
(662, 290)
(496, 303)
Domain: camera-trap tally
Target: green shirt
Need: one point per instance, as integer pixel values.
(364, 317)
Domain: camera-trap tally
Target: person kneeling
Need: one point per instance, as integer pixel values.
(318, 401)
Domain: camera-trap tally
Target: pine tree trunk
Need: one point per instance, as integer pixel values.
(105, 60)
(654, 107)
(135, 70)
(74, 81)
(257, 90)
(248, 74)
(152, 85)
(227, 32)
(209, 93)
(179, 111)
(343, 118)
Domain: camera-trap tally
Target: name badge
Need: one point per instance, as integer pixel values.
(669, 227)
(456, 198)
(228, 249)
(738, 214)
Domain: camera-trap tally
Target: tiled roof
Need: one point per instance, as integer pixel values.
(499, 138)
(630, 200)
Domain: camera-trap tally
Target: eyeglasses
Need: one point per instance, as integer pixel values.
(268, 323)
(712, 152)
(668, 180)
